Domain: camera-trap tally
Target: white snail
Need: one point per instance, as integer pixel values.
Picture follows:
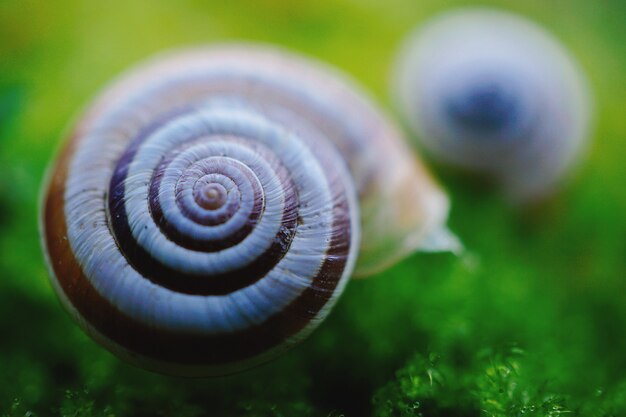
(204, 215)
(492, 92)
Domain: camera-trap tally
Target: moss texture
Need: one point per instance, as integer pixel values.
(530, 322)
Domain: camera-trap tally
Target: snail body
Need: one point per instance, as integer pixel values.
(491, 92)
(208, 208)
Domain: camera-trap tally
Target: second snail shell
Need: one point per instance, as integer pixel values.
(208, 208)
(492, 92)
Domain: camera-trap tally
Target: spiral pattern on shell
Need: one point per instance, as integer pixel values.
(492, 92)
(203, 217)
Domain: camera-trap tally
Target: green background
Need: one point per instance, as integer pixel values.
(530, 322)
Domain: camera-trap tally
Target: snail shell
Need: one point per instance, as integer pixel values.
(204, 215)
(492, 92)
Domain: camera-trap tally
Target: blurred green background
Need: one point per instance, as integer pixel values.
(531, 322)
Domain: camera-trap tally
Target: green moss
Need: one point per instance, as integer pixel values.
(502, 383)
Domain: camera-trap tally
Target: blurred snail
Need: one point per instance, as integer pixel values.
(207, 209)
(488, 91)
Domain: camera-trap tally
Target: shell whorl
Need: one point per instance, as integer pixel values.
(218, 241)
(489, 91)
(206, 212)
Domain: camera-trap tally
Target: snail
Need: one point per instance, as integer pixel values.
(490, 92)
(209, 207)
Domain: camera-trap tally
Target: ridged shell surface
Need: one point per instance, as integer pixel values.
(203, 216)
(492, 92)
